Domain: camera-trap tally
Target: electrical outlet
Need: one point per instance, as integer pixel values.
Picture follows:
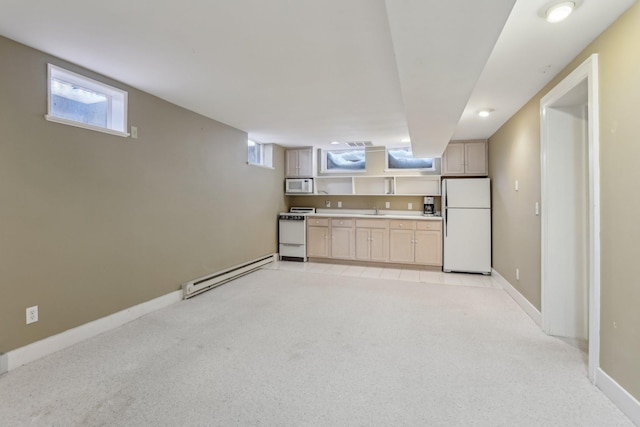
(517, 186)
(32, 314)
(537, 208)
(134, 132)
(387, 205)
(339, 204)
(517, 274)
(409, 206)
(327, 203)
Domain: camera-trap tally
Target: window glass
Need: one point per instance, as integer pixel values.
(402, 158)
(345, 160)
(79, 104)
(80, 101)
(255, 152)
(259, 154)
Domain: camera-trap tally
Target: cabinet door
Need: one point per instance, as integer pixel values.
(476, 158)
(342, 242)
(305, 162)
(362, 244)
(401, 246)
(291, 163)
(317, 241)
(453, 159)
(428, 247)
(378, 244)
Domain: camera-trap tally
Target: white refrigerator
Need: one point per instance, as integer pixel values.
(466, 206)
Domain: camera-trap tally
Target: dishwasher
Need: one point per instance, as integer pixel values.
(292, 234)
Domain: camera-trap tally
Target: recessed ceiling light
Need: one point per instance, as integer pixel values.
(485, 113)
(335, 143)
(560, 11)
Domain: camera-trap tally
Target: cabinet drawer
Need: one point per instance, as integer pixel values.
(429, 225)
(398, 224)
(372, 223)
(318, 221)
(341, 222)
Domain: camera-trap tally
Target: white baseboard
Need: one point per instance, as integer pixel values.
(524, 303)
(628, 404)
(3, 363)
(38, 349)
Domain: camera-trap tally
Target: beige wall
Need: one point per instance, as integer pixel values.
(91, 223)
(514, 153)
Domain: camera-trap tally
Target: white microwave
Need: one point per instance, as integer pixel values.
(298, 185)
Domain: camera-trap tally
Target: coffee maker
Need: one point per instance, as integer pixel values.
(429, 206)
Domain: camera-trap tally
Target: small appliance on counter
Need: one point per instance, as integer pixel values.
(293, 234)
(298, 185)
(429, 206)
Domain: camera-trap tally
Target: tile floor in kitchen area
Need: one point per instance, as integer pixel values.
(411, 275)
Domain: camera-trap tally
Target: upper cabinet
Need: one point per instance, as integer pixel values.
(465, 158)
(299, 162)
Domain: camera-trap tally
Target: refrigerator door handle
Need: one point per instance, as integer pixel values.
(446, 207)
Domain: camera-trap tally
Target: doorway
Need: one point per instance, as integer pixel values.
(570, 210)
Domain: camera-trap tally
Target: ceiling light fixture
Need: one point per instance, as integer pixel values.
(560, 11)
(485, 113)
(335, 143)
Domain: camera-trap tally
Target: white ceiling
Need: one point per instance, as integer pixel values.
(309, 72)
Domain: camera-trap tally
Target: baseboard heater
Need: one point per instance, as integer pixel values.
(203, 284)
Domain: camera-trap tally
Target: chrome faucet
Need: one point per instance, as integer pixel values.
(375, 208)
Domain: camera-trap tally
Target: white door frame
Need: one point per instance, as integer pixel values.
(588, 71)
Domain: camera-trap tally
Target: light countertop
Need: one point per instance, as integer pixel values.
(371, 214)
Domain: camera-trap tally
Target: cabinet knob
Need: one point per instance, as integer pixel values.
(400, 225)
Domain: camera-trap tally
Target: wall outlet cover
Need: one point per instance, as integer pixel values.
(32, 314)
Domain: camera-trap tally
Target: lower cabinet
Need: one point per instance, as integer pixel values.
(415, 242)
(342, 239)
(376, 240)
(318, 238)
(372, 240)
(401, 246)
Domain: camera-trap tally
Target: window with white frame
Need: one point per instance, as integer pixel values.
(351, 160)
(80, 101)
(259, 154)
(402, 158)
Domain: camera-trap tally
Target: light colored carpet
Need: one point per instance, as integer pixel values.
(286, 348)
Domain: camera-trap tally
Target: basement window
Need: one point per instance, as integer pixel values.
(402, 158)
(79, 101)
(353, 160)
(259, 154)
